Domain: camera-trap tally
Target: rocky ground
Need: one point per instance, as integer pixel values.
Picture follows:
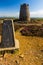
(30, 51)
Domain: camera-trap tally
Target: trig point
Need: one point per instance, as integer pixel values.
(24, 12)
(8, 42)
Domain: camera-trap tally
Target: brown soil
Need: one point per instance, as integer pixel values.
(29, 53)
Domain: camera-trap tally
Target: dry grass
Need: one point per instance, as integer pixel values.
(30, 47)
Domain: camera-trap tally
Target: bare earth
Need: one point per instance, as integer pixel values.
(29, 53)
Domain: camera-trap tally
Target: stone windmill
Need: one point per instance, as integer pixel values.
(24, 12)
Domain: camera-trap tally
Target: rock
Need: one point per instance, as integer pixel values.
(17, 62)
(36, 57)
(21, 56)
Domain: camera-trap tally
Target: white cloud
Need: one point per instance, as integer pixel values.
(38, 13)
(15, 14)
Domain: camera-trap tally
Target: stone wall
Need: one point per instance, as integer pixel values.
(32, 30)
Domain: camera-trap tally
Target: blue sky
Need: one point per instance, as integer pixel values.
(12, 7)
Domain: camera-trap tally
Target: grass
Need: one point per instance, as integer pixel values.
(30, 47)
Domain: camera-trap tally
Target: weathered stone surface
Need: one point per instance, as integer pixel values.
(8, 34)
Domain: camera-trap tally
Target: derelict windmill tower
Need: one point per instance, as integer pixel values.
(24, 12)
